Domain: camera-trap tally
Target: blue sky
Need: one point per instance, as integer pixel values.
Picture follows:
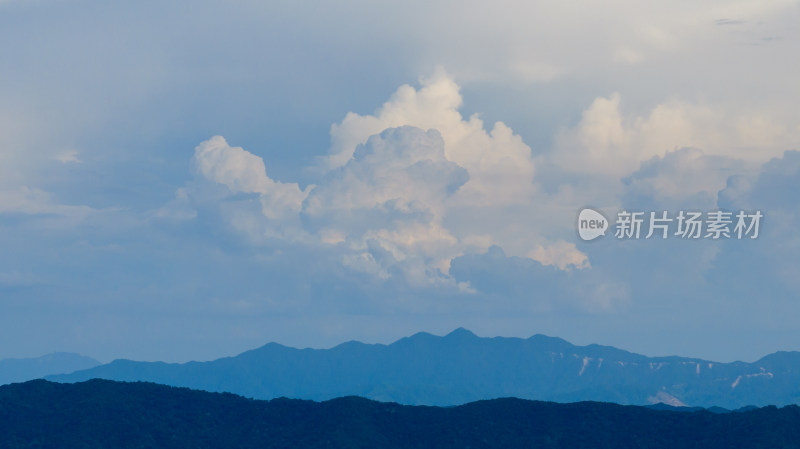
(190, 180)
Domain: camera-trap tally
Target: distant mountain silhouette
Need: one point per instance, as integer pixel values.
(20, 370)
(461, 367)
(103, 413)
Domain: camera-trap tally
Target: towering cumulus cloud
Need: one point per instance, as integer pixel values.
(499, 163)
(391, 195)
(402, 192)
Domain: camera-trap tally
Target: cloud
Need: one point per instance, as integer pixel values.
(383, 209)
(392, 194)
(419, 197)
(234, 182)
(726, 279)
(409, 189)
(541, 287)
(561, 254)
(243, 172)
(607, 141)
(69, 156)
(499, 163)
(405, 166)
(403, 192)
(135, 84)
(685, 177)
(771, 191)
(40, 205)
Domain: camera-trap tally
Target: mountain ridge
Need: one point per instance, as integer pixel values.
(23, 369)
(462, 367)
(102, 413)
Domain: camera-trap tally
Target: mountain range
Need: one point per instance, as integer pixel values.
(461, 367)
(102, 413)
(20, 370)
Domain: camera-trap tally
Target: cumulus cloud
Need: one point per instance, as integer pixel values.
(393, 193)
(233, 184)
(403, 191)
(405, 166)
(418, 192)
(499, 162)
(608, 141)
(686, 177)
(243, 172)
(771, 191)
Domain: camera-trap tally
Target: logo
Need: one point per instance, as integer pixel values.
(634, 225)
(591, 224)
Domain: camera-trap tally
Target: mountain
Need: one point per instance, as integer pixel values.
(102, 413)
(461, 367)
(20, 370)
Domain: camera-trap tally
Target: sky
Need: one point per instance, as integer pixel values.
(189, 180)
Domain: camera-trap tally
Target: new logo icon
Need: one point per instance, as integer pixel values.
(591, 224)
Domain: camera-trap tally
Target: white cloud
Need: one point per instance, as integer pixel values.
(499, 204)
(562, 254)
(36, 202)
(413, 186)
(606, 141)
(404, 165)
(244, 172)
(67, 157)
(686, 176)
(393, 197)
(250, 201)
(499, 163)
(393, 193)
